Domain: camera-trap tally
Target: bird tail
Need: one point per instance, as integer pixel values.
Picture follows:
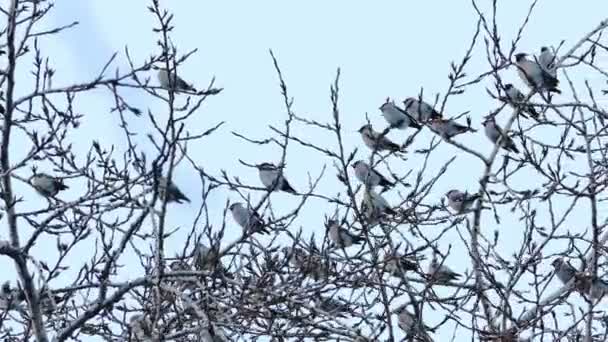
(62, 186)
(288, 188)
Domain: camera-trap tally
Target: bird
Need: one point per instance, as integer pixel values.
(341, 237)
(411, 326)
(546, 59)
(515, 98)
(448, 129)
(396, 264)
(370, 177)
(534, 75)
(308, 264)
(334, 307)
(564, 270)
(141, 327)
(420, 110)
(461, 201)
(211, 333)
(176, 83)
(495, 132)
(170, 192)
(374, 205)
(376, 141)
(47, 185)
(248, 219)
(272, 178)
(11, 298)
(599, 288)
(397, 117)
(441, 273)
(204, 257)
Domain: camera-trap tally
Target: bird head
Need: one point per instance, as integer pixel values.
(365, 128)
(386, 104)
(520, 57)
(266, 166)
(329, 223)
(451, 193)
(508, 86)
(409, 101)
(488, 119)
(557, 262)
(543, 49)
(233, 206)
(357, 163)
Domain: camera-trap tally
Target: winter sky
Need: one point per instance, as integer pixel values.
(384, 49)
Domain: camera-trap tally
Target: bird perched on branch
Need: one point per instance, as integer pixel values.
(46, 185)
(420, 110)
(376, 141)
(370, 177)
(170, 192)
(341, 237)
(411, 325)
(534, 75)
(397, 117)
(248, 219)
(441, 273)
(272, 178)
(494, 132)
(175, 82)
(515, 98)
(447, 129)
(546, 59)
(461, 201)
(374, 205)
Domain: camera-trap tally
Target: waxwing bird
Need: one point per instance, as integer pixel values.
(411, 326)
(376, 141)
(11, 298)
(515, 98)
(534, 75)
(397, 117)
(599, 288)
(495, 132)
(397, 264)
(308, 264)
(248, 219)
(141, 328)
(341, 237)
(370, 177)
(46, 185)
(204, 257)
(170, 192)
(374, 205)
(461, 201)
(175, 83)
(212, 334)
(440, 273)
(420, 110)
(273, 179)
(563, 270)
(448, 129)
(546, 59)
(334, 307)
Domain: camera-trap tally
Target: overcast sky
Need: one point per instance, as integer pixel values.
(384, 49)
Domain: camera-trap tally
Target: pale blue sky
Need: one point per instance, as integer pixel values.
(384, 48)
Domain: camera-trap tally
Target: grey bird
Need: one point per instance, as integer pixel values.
(397, 117)
(441, 273)
(176, 83)
(599, 288)
(272, 178)
(374, 205)
(534, 75)
(334, 307)
(410, 325)
(46, 185)
(494, 132)
(515, 98)
(563, 270)
(341, 237)
(204, 257)
(170, 192)
(461, 201)
(396, 264)
(420, 110)
(448, 129)
(370, 177)
(248, 219)
(11, 298)
(546, 59)
(212, 334)
(141, 328)
(376, 141)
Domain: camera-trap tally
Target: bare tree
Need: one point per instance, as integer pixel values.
(380, 269)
